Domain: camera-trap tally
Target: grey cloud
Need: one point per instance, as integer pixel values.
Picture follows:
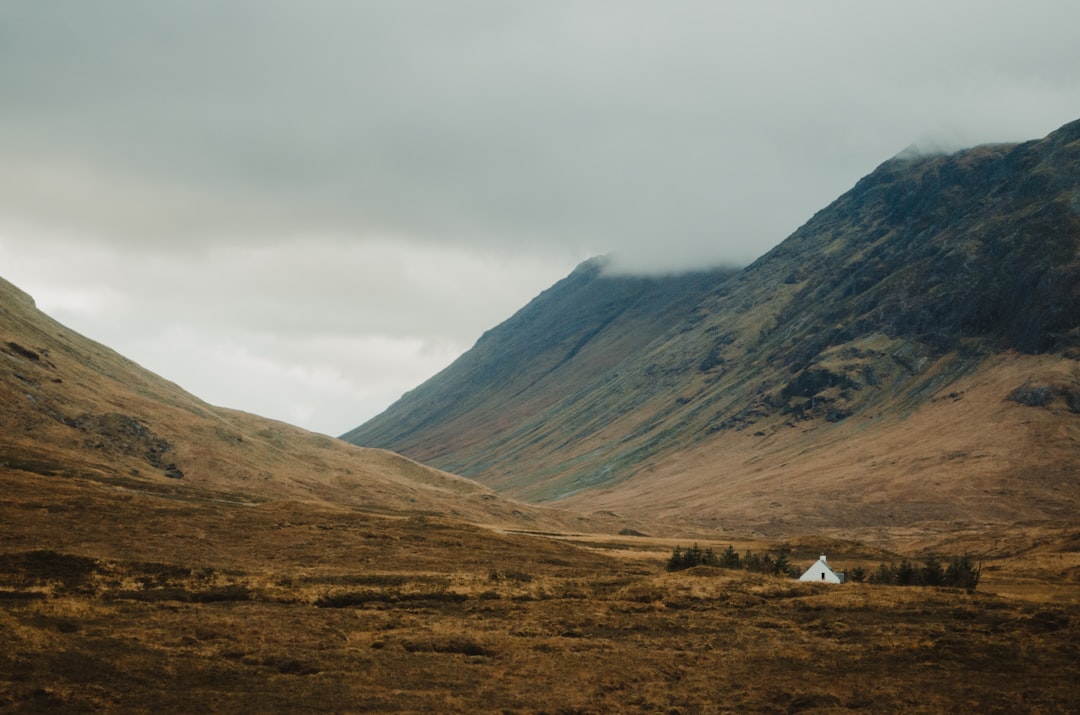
(310, 288)
(592, 126)
(314, 332)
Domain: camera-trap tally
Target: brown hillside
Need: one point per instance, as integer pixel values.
(969, 455)
(78, 413)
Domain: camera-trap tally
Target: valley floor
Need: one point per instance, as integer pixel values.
(189, 606)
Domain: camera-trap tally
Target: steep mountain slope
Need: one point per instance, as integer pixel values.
(578, 332)
(76, 412)
(888, 332)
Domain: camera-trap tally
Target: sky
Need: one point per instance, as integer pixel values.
(305, 209)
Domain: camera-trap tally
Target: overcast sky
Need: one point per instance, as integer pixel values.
(303, 209)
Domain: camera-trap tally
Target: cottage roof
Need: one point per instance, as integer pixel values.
(820, 571)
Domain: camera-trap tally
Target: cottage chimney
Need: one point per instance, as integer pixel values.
(823, 559)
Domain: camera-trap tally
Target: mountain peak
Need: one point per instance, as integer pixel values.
(930, 272)
(1066, 134)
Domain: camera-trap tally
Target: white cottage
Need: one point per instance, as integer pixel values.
(821, 573)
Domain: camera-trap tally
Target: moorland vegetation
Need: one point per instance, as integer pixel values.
(160, 603)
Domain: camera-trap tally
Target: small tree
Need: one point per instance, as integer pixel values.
(730, 558)
(782, 565)
(767, 564)
(751, 561)
(676, 561)
(884, 576)
(932, 574)
(857, 574)
(963, 573)
(693, 556)
(906, 575)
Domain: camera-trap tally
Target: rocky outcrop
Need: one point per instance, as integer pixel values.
(118, 434)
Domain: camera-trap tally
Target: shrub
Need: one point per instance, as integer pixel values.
(44, 566)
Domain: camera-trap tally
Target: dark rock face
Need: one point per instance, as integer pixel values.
(964, 255)
(982, 243)
(1033, 395)
(23, 352)
(116, 433)
(1039, 395)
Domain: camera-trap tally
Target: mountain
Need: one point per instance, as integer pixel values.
(909, 355)
(568, 339)
(77, 415)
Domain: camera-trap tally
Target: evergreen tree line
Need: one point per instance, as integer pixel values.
(960, 572)
(776, 564)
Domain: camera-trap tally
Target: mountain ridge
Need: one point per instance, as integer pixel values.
(914, 279)
(560, 324)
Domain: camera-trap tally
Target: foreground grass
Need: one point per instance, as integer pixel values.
(699, 641)
(185, 607)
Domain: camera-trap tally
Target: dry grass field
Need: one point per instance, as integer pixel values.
(112, 600)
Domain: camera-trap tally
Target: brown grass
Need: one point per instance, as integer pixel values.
(139, 603)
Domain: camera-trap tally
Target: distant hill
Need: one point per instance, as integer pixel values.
(77, 414)
(909, 355)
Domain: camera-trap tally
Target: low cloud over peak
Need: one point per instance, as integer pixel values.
(678, 136)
